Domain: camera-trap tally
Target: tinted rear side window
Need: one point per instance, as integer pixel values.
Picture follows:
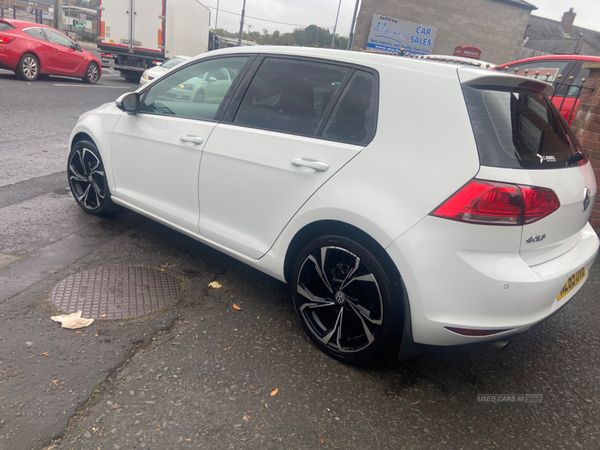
(518, 129)
(290, 96)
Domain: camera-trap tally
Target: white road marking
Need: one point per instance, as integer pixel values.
(92, 86)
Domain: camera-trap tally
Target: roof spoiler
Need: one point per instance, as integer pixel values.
(475, 77)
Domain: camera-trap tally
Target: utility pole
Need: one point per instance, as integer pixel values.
(351, 38)
(242, 24)
(217, 18)
(336, 21)
(57, 5)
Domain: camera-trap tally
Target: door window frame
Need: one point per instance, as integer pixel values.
(244, 85)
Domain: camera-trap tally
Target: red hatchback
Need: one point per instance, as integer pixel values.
(564, 72)
(30, 49)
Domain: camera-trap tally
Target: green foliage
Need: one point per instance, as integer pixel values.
(311, 36)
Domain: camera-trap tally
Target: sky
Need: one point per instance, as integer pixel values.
(301, 13)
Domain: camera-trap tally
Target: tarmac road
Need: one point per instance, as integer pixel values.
(201, 374)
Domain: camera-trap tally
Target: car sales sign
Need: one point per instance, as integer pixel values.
(391, 35)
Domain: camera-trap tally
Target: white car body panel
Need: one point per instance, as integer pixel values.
(238, 192)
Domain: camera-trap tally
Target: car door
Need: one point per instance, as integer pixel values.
(156, 153)
(65, 60)
(43, 49)
(258, 170)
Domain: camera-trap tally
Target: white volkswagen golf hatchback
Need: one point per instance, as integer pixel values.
(405, 201)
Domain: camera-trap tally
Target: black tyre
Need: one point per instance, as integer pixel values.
(199, 97)
(28, 68)
(92, 73)
(87, 179)
(345, 301)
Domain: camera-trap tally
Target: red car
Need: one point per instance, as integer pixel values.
(565, 72)
(30, 49)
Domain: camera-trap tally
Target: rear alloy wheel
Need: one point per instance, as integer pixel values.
(344, 300)
(28, 68)
(87, 179)
(92, 73)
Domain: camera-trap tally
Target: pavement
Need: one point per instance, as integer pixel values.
(202, 373)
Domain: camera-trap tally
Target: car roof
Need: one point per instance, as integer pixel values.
(553, 58)
(364, 58)
(21, 24)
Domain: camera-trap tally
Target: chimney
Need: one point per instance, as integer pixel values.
(567, 21)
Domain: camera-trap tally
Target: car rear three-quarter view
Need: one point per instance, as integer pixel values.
(513, 244)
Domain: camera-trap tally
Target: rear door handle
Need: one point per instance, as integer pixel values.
(196, 140)
(319, 166)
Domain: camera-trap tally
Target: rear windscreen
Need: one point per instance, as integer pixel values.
(5, 26)
(518, 128)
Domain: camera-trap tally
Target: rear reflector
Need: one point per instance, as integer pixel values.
(491, 203)
(471, 332)
(6, 39)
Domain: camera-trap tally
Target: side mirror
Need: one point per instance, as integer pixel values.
(78, 48)
(129, 103)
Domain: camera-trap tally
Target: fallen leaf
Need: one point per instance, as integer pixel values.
(321, 440)
(418, 401)
(96, 335)
(493, 443)
(55, 382)
(215, 285)
(103, 315)
(274, 393)
(73, 321)
(266, 406)
(189, 440)
(236, 307)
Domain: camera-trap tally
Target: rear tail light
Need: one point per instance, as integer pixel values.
(6, 39)
(490, 203)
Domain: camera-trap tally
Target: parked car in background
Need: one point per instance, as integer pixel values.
(565, 72)
(30, 50)
(161, 68)
(312, 166)
(210, 87)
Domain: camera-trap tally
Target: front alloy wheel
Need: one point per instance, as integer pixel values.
(92, 74)
(87, 178)
(342, 297)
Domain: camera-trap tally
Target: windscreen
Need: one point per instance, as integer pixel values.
(518, 128)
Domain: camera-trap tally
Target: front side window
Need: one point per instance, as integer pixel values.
(192, 92)
(57, 38)
(37, 33)
(290, 96)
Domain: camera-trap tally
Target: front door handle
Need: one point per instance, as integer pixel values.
(318, 166)
(196, 140)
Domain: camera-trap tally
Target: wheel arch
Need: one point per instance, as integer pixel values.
(81, 136)
(32, 52)
(324, 227)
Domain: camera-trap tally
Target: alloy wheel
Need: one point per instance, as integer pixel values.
(30, 67)
(86, 177)
(93, 73)
(339, 300)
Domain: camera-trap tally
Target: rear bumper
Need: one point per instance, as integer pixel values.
(449, 285)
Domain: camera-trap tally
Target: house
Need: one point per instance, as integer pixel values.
(552, 37)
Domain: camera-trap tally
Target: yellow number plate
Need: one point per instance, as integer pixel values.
(573, 281)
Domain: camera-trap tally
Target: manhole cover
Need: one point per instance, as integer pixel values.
(115, 292)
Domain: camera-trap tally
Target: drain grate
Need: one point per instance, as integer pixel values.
(115, 292)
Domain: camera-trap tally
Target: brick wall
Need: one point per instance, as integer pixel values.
(587, 128)
(496, 28)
